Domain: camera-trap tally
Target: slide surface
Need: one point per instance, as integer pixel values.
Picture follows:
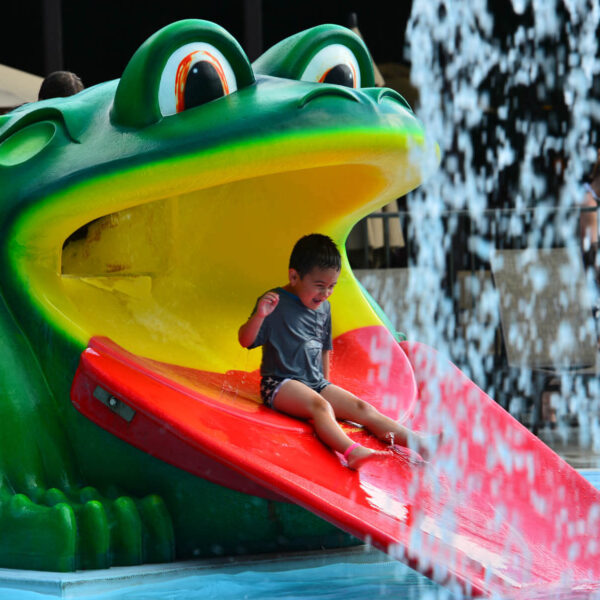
(494, 510)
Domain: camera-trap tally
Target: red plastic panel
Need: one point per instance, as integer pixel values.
(495, 510)
(511, 503)
(369, 363)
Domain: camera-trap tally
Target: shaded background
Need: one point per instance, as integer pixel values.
(100, 37)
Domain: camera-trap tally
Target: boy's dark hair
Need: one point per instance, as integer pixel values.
(315, 250)
(60, 84)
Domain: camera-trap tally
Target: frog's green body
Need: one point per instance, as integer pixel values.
(83, 165)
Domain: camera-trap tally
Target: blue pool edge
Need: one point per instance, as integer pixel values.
(83, 583)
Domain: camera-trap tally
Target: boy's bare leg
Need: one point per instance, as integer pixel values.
(298, 400)
(348, 407)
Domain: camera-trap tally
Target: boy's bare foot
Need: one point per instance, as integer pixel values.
(422, 443)
(359, 455)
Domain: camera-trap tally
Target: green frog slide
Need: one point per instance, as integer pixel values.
(139, 221)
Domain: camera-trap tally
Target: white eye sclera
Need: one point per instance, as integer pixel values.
(335, 63)
(194, 74)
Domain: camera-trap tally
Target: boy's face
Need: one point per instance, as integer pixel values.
(315, 287)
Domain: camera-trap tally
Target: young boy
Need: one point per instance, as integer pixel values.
(293, 325)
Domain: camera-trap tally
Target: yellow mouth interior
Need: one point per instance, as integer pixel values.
(173, 277)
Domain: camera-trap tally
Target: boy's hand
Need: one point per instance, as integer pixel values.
(267, 304)
(249, 330)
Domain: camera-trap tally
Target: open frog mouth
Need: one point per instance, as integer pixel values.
(173, 265)
(157, 290)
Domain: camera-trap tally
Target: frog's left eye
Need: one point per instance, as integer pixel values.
(333, 64)
(193, 75)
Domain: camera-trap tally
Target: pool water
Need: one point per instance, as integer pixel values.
(354, 576)
(359, 573)
(346, 580)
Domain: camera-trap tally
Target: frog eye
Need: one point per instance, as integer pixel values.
(193, 75)
(335, 64)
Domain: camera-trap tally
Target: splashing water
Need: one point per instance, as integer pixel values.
(509, 101)
(496, 279)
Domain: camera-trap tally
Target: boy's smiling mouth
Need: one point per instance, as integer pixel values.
(319, 300)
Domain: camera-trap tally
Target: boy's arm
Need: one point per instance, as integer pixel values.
(249, 330)
(326, 360)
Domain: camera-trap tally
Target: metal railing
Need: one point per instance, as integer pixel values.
(363, 257)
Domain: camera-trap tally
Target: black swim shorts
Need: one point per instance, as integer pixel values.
(269, 386)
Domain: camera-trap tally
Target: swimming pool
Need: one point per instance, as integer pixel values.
(355, 573)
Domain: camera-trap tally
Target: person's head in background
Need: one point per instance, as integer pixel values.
(59, 85)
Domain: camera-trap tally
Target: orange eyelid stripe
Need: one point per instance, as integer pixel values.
(180, 79)
(348, 64)
(182, 72)
(354, 77)
(217, 65)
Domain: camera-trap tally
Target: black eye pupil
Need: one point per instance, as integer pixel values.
(340, 75)
(202, 85)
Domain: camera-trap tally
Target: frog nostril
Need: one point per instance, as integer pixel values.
(328, 90)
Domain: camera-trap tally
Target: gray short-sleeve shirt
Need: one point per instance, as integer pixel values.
(293, 338)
